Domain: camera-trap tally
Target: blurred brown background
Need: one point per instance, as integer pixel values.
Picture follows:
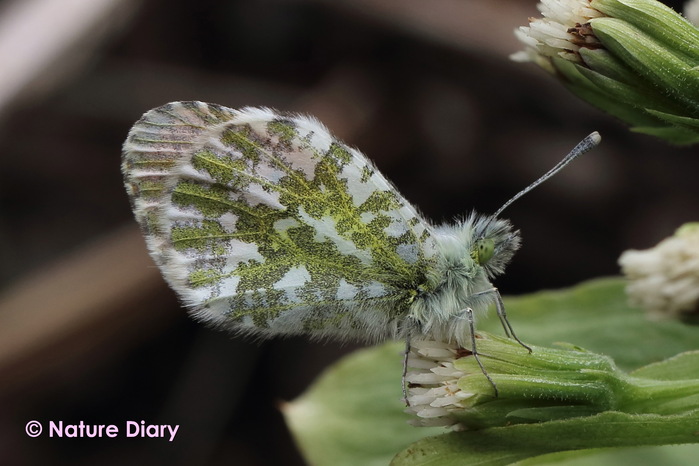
(88, 329)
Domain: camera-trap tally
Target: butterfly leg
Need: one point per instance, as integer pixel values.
(502, 315)
(409, 326)
(509, 331)
(468, 313)
(405, 370)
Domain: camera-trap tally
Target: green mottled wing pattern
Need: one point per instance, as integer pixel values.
(265, 223)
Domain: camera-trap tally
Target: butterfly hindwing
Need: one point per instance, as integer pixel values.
(267, 224)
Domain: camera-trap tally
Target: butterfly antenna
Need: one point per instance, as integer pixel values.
(590, 142)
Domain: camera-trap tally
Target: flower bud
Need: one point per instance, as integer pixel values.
(635, 59)
(665, 279)
(447, 387)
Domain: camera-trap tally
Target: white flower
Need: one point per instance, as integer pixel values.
(665, 279)
(691, 11)
(433, 392)
(561, 32)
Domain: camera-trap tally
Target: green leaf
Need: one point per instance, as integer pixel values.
(353, 413)
(682, 366)
(505, 445)
(596, 316)
(638, 456)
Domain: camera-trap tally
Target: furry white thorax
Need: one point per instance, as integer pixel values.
(458, 278)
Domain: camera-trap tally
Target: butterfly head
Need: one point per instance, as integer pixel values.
(477, 246)
(494, 242)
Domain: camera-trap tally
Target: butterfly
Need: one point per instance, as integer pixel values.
(266, 224)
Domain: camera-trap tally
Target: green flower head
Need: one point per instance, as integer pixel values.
(635, 59)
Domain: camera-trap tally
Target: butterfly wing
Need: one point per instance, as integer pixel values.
(267, 224)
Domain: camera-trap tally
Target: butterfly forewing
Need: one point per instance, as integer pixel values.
(265, 223)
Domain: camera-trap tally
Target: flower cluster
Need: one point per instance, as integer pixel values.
(635, 59)
(562, 31)
(665, 279)
(434, 392)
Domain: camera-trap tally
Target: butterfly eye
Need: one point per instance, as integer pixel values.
(483, 250)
